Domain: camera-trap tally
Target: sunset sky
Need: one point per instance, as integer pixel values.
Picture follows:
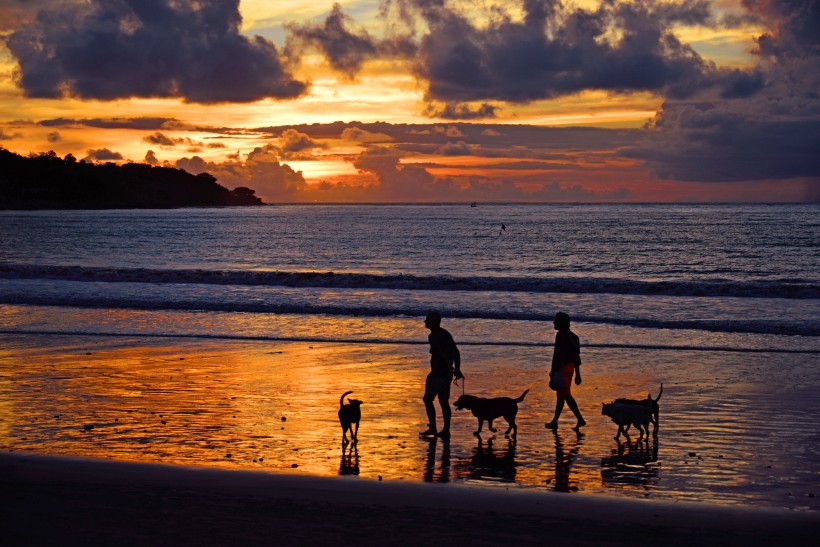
(428, 100)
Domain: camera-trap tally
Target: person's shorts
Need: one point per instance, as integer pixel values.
(569, 370)
(437, 386)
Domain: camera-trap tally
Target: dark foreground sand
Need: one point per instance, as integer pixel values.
(62, 501)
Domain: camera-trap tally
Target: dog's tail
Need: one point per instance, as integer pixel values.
(522, 396)
(659, 394)
(342, 398)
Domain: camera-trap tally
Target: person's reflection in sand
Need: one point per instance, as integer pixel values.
(443, 474)
(564, 456)
(350, 460)
(486, 463)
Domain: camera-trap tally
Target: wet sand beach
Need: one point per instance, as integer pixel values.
(727, 436)
(49, 501)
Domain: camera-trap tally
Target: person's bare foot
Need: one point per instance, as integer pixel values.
(552, 425)
(581, 423)
(429, 432)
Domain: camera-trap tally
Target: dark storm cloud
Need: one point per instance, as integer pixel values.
(102, 154)
(554, 50)
(497, 135)
(709, 142)
(162, 139)
(399, 182)
(345, 50)
(110, 49)
(765, 125)
(261, 170)
(795, 26)
(459, 148)
(9, 136)
(295, 145)
(117, 123)
(453, 111)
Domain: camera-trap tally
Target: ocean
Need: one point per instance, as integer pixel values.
(224, 337)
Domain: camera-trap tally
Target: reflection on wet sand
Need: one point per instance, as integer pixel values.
(632, 464)
(273, 407)
(350, 460)
(485, 463)
(488, 464)
(565, 454)
(442, 474)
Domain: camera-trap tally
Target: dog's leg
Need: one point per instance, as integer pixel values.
(355, 434)
(490, 425)
(510, 418)
(480, 425)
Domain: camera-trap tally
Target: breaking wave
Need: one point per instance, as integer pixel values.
(715, 287)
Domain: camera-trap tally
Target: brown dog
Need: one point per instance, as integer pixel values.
(490, 409)
(349, 415)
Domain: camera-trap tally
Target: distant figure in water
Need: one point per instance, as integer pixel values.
(502, 229)
(566, 358)
(445, 362)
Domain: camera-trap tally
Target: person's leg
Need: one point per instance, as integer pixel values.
(573, 406)
(569, 372)
(429, 397)
(444, 402)
(559, 406)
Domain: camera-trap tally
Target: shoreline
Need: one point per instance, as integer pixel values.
(52, 500)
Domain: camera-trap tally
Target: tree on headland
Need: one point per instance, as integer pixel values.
(46, 181)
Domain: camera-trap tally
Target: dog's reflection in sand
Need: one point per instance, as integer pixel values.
(632, 463)
(487, 463)
(350, 460)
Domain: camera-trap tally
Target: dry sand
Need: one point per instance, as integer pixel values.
(67, 501)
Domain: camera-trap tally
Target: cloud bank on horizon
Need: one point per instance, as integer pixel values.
(756, 124)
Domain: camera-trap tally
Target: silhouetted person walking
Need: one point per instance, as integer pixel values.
(566, 358)
(445, 361)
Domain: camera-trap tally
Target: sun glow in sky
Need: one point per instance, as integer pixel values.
(399, 100)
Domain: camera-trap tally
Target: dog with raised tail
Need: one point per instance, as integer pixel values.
(651, 404)
(490, 409)
(626, 415)
(349, 415)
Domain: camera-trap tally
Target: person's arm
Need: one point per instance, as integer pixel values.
(578, 364)
(556, 352)
(455, 356)
(457, 362)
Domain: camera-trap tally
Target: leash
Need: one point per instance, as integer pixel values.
(529, 388)
(463, 382)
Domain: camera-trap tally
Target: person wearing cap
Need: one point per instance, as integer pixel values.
(445, 362)
(566, 357)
